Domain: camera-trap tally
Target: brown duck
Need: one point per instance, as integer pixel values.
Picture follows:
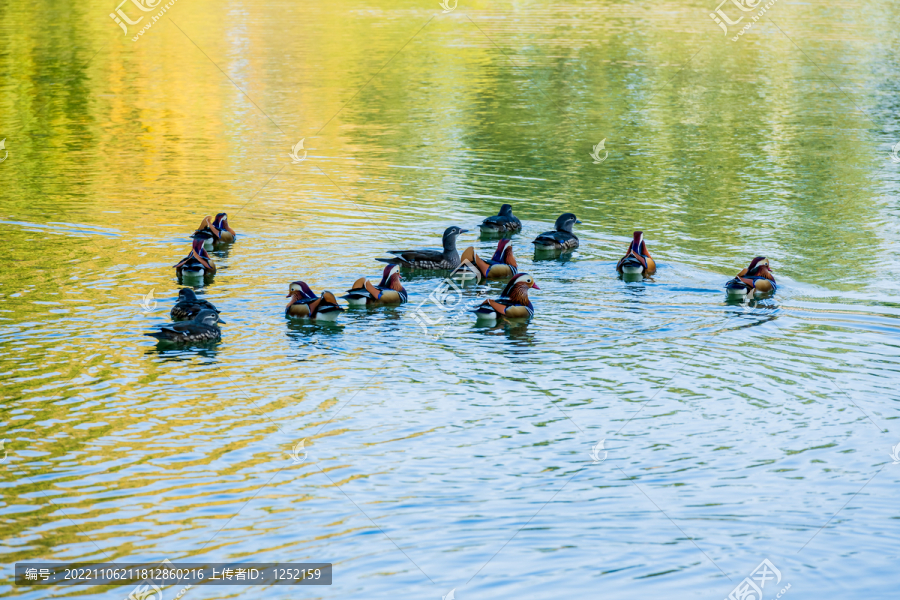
(637, 259)
(305, 304)
(389, 291)
(502, 264)
(513, 302)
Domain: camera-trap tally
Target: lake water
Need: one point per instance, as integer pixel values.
(457, 457)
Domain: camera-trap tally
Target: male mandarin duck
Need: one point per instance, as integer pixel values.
(513, 302)
(446, 259)
(562, 238)
(198, 262)
(188, 305)
(207, 237)
(304, 303)
(504, 222)
(202, 328)
(502, 264)
(757, 278)
(389, 291)
(218, 228)
(637, 259)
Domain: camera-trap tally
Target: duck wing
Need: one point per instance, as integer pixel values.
(554, 237)
(411, 256)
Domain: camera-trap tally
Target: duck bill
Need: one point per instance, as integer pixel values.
(220, 320)
(535, 286)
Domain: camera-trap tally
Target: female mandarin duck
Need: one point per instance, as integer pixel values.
(189, 305)
(562, 238)
(502, 264)
(504, 222)
(304, 303)
(637, 259)
(755, 279)
(218, 228)
(202, 328)
(445, 259)
(389, 291)
(513, 302)
(198, 262)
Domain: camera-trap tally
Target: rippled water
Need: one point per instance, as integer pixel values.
(458, 457)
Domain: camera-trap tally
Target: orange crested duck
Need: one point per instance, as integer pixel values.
(502, 264)
(304, 303)
(562, 238)
(504, 222)
(513, 302)
(389, 291)
(446, 259)
(755, 279)
(637, 259)
(218, 228)
(197, 263)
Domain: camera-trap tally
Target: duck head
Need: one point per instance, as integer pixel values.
(504, 253)
(759, 267)
(390, 278)
(505, 211)
(450, 235)
(638, 244)
(197, 247)
(221, 221)
(208, 317)
(517, 288)
(299, 290)
(187, 294)
(566, 221)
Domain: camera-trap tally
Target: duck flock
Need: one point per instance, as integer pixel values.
(197, 321)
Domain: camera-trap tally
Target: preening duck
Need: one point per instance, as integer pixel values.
(215, 230)
(502, 264)
(202, 328)
(389, 291)
(562, 238)
(448, 258)
(755, 279)
(513, 302)
(206, 235)
(304, 303)
(637, 259)
(189, 305)
(504, 222)
(197, 263)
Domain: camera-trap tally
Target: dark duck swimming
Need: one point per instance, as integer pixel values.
(755, 279)
(389, 291)
(446, 259)
(503, 222)
(189, 305)
(513, 302)
(501, 265)
(637, 259)
(201, 329)
(305, 304)
(562, 238)
(197, 263)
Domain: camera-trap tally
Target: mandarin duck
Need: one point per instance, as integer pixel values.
(219, 229)
(198, 262)
(207, 237)
(389, 291)
(504, 222)
(637, 259)
(202, 328)
(757, 278)
(513, 302)
(562, 238)
(304, 303)
(502, 264)
(445, 259)
(189, 305)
